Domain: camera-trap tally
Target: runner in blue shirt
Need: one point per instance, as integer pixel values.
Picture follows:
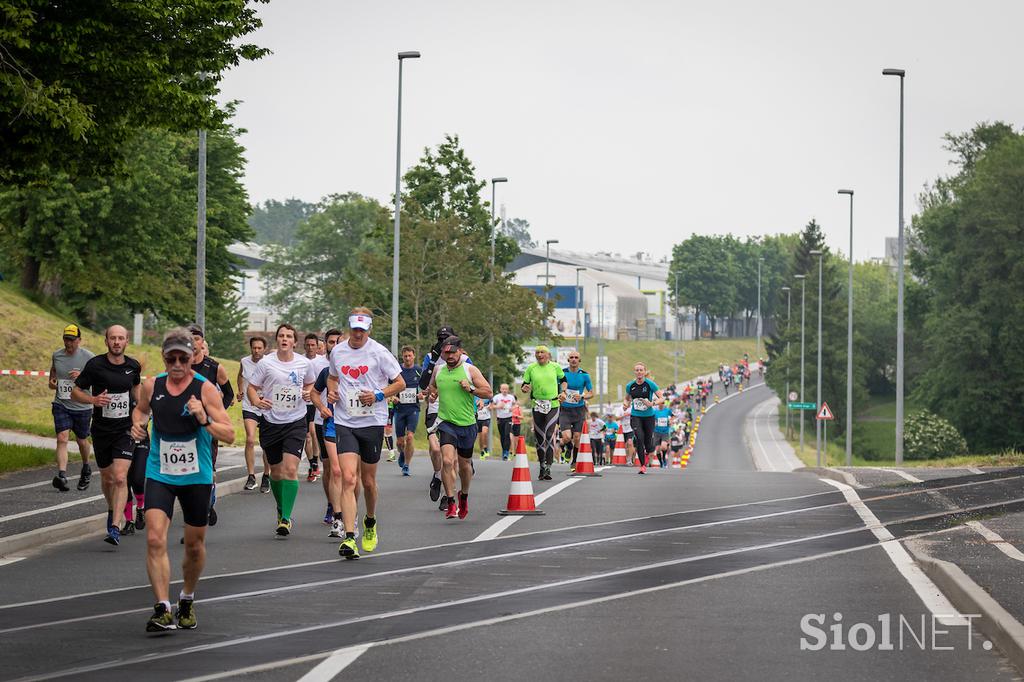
(640, 396)
(578, 389)
(662, 431)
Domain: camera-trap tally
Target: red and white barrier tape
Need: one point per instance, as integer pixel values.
(27, 373)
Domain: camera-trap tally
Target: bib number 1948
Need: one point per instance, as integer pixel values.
(117, 408)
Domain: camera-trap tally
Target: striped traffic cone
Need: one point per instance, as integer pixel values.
(584, 458)
(520, 495)
(619, 453)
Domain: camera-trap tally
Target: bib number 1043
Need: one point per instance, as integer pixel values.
(179, 458)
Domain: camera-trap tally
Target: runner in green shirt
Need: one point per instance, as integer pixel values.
(543, 381)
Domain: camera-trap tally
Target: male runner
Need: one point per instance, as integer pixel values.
(573, 410)
(483, 425)
(457, 386)
(251, 415)
(595, 431)
(407, 409)
(323, 416)
(188, 414)
(640, 396)
(503, 403)
(543, 381)
(662, 431)
(278, 385)
(363, 375)
(311, 345)
(109, 383)
(69, 415)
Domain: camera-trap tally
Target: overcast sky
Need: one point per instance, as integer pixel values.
(630, 125)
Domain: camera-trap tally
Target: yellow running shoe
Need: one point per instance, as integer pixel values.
(348, 549)
(369, 540)
(284, 527)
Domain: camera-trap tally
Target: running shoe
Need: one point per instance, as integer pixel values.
(186, 615)
(129, 528)
(265, 484)
(484, 454)
(392, 456)
(113, 536)
(572, 468)
(435, 488)
(443, 505)
(643, 469)
(161, 620)
(212, 520)
(84, 478)
(405, 470)
(61, 483)
(250, 483)
(140, 518)
(463, 505)
(328, 515)
(312, 475)
(369, 536)
(452, 511)
(547, 474)
(504, 457)
(336, 529)
(284, 527)
(348, 549)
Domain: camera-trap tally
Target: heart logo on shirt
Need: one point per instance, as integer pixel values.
(354, 372)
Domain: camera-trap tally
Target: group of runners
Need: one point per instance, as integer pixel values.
(336, 404)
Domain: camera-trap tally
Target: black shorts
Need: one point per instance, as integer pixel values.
(660, 437)
(110, 446)
(194, 500)
(365, 441)
(310, 413)
(252, 416)
(77, 421)
(572, 418)
(405, 421)
(429, 420)
(517, 430)
(462, 438)
(277, 440)
(482, 424)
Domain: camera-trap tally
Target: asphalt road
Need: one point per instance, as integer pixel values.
(702, 573)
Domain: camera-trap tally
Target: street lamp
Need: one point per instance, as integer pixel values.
(676, 331)
(849, 344)
(789, 310)
(201, 226)
(494, 182)
(602, 378)
(547, 267)
(490, 345)
(803, 315)
(817, 396)
(759, 262)
(899, 279)
(402, 56)
(576, 295)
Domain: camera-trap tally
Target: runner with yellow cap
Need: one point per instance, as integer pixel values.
(70, 415)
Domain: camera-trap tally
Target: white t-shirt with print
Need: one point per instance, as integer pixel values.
(369, 368)
(503, 405)
(281, 383)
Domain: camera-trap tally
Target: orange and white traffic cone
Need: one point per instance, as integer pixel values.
(676, 461)
(520, 495)
(619, 453)
(584, 458)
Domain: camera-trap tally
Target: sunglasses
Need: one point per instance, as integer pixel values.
(178, 360)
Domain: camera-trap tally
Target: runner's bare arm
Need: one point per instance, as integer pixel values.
(481, 389)
(52, 380)
(254, 397)
(218, 423)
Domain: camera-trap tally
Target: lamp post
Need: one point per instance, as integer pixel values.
(490, 344)
(201, 236)
(675, 359)
(576, 296)
(494, 182)
(759, 262)
(899, 284)
(547, 267)
(402, 56)
(849, 343)
(602, 379)
(803, 315)
(817, 395)
(789, 311)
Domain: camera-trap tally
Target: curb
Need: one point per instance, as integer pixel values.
(834, 474)
(76, 528)
(1005, 631)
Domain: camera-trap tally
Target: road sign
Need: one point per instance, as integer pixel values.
(793, 395)
(802, 406)
(825, 414)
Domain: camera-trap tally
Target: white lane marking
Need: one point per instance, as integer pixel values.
(902, 474)
(43, 510)
(929, 593)
(10, 560)
(996, 540)
(757, 435)
(499, 526)
(35, 485)
(974, 470)
(330, 667)
(469, 600)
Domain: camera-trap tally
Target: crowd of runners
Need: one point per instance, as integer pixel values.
(340, 403)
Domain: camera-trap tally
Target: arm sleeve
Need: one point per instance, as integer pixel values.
(427, 371)
(320, 385)
(228, 394)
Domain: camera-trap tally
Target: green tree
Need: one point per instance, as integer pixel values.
(708, 274)
(275, 222)
(518, 230)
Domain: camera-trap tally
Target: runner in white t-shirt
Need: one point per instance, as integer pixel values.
(362, 375)
(251, 415)
(503, 403)
(279, 383)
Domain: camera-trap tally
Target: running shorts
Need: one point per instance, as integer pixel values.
(365, 441)
(277, 440)
(405, 422)
(462, 438)
(77, 421)
(194, 500)
(571, 418)
(108, 447)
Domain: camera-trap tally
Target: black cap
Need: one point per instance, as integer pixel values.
(450, 343)
(444, 332)
(196, 330)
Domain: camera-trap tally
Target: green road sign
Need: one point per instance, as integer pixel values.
(802, 406)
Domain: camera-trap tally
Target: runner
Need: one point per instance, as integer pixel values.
(457, 386)
(573, 410)
(595, 432)
(503, 404)
(69, 415)
(627, 431)
(611, 434)
(277, 387)
(483, 425)
(250, 414)
(323, 415)
(109, 383)
(311, 346)
(662, 431)
(363, 375)
(549, 378)
(640, 396)
(407, 409)
(214, 372)
(434, 450)
(188, 414)
(517, 419)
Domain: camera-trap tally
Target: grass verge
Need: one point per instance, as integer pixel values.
(15, 457)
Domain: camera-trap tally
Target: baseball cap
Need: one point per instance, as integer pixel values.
(196, 330)
(176, 342)
(444, 332)
(72, 332)
(451, 343)
(360, 321)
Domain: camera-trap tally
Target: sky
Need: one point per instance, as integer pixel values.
(631, 125)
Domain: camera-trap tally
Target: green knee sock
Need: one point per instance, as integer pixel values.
(289, 491)
(275, 488)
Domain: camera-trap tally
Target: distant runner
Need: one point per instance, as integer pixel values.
(251, 416)
(70, 415)
(503, 403)
(573, 409)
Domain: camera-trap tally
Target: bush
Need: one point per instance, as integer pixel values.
(929, 436)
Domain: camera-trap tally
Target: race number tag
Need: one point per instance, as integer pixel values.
(354, 407)
(572, 396)
(117, 408)
(407, 396)
(542, 406)
(639, 405)
(179, 458)
(483, 413)
(661, 421)
(64, 387)
(286, 397)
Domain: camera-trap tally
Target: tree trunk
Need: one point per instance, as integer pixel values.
(30, 268)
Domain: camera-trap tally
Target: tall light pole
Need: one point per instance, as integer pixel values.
(602, 377)
(547, 267)
(817, 395)
(803, 315)
(576, 296)
(849, 344)
(490, 344)
(789, 312)
(675, 360)
(494, 182)
(899, 279)
(201, 236)
(759, 262)
(402, 56)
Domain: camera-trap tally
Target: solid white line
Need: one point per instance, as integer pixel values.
(35, 485)
(757, 435)
(996, 540)
(930, 594)
(329, 668)
(975, 470)
(10, 560)
(902, 474)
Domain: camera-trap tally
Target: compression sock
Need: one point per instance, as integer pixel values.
(110, 518)
(275, 488)
(289, 491)
(128, 510)
(140, 501)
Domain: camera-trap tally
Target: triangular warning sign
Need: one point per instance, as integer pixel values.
(825, 412)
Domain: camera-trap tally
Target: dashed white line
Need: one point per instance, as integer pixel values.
(996, 540)
(902, 474)
(330, 667)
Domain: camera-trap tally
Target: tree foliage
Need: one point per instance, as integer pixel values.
(518, 230)
(275, 222)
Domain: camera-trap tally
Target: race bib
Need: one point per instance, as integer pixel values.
(639, 405)
(354, 407)
(407, 396)
(483, 413)
(64, 387)
(286, 397)
(179, 458)
(661, 421)
(572, 396)
(117, 408)
(542, 406)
